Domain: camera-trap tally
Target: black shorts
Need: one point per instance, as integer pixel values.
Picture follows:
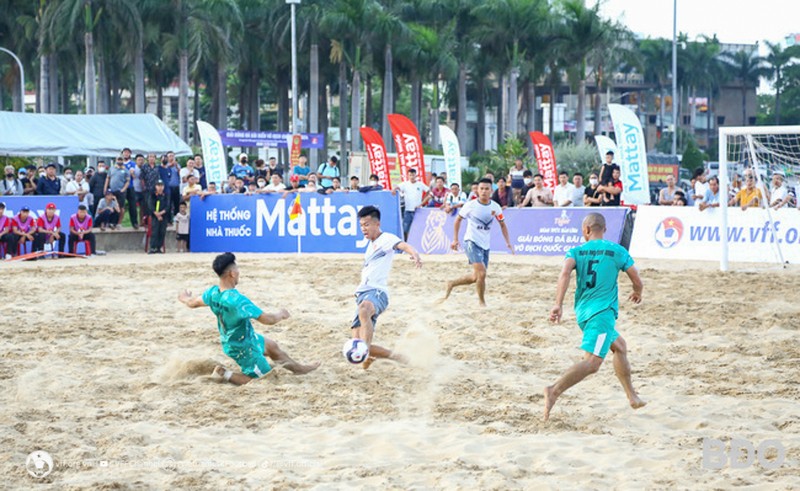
(184, 237)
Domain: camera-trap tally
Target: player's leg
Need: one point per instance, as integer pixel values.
(480, 274)
(577, 372)
(370, 306)
(476, 259)
(235, 378)
(272, 350)
(623, 370)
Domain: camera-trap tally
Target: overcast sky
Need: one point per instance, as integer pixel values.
(733, 21)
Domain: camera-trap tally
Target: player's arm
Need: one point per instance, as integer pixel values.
(636, 281)
(504, 229)
(186, 298)
(456, 228)
(409, 249)
(273, 318)
(561, 289)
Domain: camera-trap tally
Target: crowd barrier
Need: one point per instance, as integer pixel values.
(681, 233)
(533, 231)
(261, 223)
(66, 206)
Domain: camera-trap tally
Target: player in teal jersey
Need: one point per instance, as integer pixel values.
(598, 263)
(239, 340)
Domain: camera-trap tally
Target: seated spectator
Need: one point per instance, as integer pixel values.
(192, 188)
(212, 189)
(261, 170)
(612, 192)
(336, 187)
(591, 197)
(711, 199)
(527, 185)
(7, 235)
(276, 184)
(107, 212)
(749, 196)
(679, 201)
(354, 183)
(11, 186)
(66, 179)
(311, 187)
(80, 188)
(242, 169)
(230, 186)
(503, 195)
(563, 193)
(239, 186)
(25, 229)
(80, 229)
(49, 226)
(294, 186)
(578, 190)
(182, 228)
(49, 184)
(779, 195)
(252, 189)
(273, 167)
(438, 193)
(261, 185)
(374, 184)
(489, 175)
(538, 195)
(455, 199)
(667, 195)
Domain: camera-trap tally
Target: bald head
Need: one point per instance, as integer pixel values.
(594, 222)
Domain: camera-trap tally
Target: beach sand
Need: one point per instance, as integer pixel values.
(102, 367)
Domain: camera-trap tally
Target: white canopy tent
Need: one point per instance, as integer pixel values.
(98, 135)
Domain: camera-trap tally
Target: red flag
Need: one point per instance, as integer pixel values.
(295, 153)
(546, 158)
(409, 146)
(376, 151)
(297, 209)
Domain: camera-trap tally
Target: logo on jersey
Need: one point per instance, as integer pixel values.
(669, 232)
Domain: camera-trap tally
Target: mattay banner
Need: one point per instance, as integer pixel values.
(376, 153)
(409, 146)
(546, 157)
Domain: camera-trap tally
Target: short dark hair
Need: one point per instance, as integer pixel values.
(577, 174)
(485, 180)
(714, 179)
(198, 155)
(126, 148)
(527, 173)
(334, 159)
(370, 211)
(336, 179)
(538, 175)
(699, 172)
(139, 155)
(354, 177)
(374, 176)
(563, 173)
(223, 262)
(610, 152)
(440, 178)
(412, 171)
(680, 198)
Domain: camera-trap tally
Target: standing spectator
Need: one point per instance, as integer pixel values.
(578, 189)
(174, 182)
(242, 170)
(779, 196)
(80, 188)
(135, 206)
(49, 185)
(455, 199)
(538, 195)
(749, 196)
(564, 192)
(734, 186)
(275, 184)
(327, 171)
(503, 195)
(49, 226)
(590, 196)
(667, 195)
(159, 207)
(527, 185)
(274, 167)
(65, 179)
(302, 170)
(612, 191)
(212, 189)
(80, 229)
(182, 228)
(438, 193)
(97, 185)
(187, 171)
(119, 179)
(473, 191)
(24, 227)
(7, 235)
(28, 188)
(201, 169)
(354, 183)
(416, 195)
(11, 186)
(374, 184)
(150, 175)
(712, 195)
(516, 174)
(134, 170)
(489, 175)
(700, 186)
(108, 211)
(261, 169)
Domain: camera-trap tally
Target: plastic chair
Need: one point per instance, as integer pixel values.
(87, 247)
(24, 247)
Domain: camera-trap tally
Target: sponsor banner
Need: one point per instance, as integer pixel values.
(328, 223)
(66, 206)
(660, 172)
(408, 145)
(631, 155)
(675, 232)
(452, 155)
(378, 158)
(294, 156)
(546, 157)
(533, 231)
(271, 139)
(213, 154)
(605, 145)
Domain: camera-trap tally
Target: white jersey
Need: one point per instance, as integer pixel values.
(413, 193)
(378, 262)
(479, 219)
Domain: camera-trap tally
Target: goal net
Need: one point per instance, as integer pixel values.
(762, 152)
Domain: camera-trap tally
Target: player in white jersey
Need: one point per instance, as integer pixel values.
(480, 214)
(372, 295)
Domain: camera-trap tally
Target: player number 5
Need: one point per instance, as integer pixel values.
(592, 273)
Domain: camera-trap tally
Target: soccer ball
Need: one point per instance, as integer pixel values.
(355, 350)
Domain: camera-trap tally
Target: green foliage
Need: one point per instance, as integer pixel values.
(581, 157)
(693, 157)
(19, 162)
(502, 159)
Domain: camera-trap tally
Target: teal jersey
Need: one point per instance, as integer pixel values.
(233, 311)
(598, 263)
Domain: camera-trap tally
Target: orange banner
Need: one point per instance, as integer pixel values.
(409, 146)
(376, 152)
(546, 158)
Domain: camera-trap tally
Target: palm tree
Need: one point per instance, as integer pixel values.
(656, 60)
(748, 68)
(777, 60)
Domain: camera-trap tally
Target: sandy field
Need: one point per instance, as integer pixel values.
(102, 367)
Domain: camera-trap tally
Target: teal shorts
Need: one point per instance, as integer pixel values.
(599, 333)
(252, 361)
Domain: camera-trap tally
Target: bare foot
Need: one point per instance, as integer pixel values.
(636, 402)
(447, 292)
(549, 401)
(366, 363)
(482, 303)
(304, 369)
(218, 373)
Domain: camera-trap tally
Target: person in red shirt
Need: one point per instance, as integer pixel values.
(438, 193)
(49, 230)
(612, 189)
(7, 236)
(24, 227)
(80, 229)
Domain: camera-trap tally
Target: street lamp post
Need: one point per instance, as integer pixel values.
(21, 79)
(674, 77)
(295, 98)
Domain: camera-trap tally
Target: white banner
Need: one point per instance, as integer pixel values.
(631, 155)
(681, 233)
(213, 154)
(452, 155)
(605, 145)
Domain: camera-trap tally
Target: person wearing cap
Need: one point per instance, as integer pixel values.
(49, 232)
(11, 186)
(108, 211)
(242, 169)
(49, 185)
(326, 172)
(7, 236)
(80, 229)
(294, 186)
(159, 206)
(779, 196)
(24, 228)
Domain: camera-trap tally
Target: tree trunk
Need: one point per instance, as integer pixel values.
(255, 102)
(708, 120)
(435, 116)
(17, 99)
(580, 113)
(692, 110)
(43, 95)
(324, 123)
(744, 103)
(183, 95)
(355, 116)
(551, 116)
(367, 101)
(513, 103)
(244, 98)
(89, 75)
(531, 91)
(342, 109)
(461, 118)
(313, 99)
(139, 102)
(661, 109)
(222, 94)
(196, 110)
(388, 97)
(53, 86)
(501, 110)
(416, 98)
(102, 82)
(116, 92)
(480, 145)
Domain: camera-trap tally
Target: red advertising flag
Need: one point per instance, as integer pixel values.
(294, 156)
(376, 152)
(409, 146)
(546, 158)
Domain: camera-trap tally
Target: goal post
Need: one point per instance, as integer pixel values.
(765, 149)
